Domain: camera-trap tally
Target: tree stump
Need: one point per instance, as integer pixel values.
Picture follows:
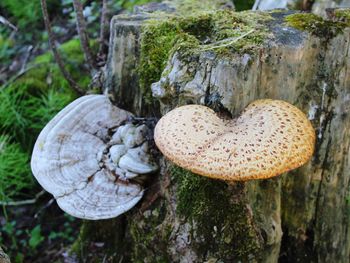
(226, 60)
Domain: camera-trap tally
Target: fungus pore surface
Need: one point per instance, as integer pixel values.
(269, 138)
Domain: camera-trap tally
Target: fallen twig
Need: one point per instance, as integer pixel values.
(26, 58)
(229, 43)
(23, 202)
(49, 203)
(57, 56)
(4, 21)
(20, 74)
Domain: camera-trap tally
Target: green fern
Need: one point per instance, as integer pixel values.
(12, 120)
(40, 110)
(15, 174)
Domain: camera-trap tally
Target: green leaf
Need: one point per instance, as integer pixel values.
(35, 237)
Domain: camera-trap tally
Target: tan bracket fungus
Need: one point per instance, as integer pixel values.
(269, 138)
(87, 157)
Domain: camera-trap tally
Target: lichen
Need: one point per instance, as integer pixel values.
(221, 222)
(316, 25)
(190, 35)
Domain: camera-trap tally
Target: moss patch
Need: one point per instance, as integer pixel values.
(204, 31)
(343, 15)
(220, 220)
(316, 25)
(108, 234)
(149, 237)
(185, 7)
(74, 63)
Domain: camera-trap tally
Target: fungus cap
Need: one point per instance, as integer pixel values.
(269, 138)
(72, 160)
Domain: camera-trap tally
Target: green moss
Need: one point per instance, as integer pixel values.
(14, 171)
(221, 220)
(316, 25)
(74, 62)
(148, 233)
(189, 36)
(343, 15)
(107, 232)
(157, 41)
(186, 7)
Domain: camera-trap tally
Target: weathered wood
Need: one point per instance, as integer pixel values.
(301, 216)
(122, 77)
(318, 6)
(4, 258)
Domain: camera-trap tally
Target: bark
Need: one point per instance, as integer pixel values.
(301, 216)
(4, 258)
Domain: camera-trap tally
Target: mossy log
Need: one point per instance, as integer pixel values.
(226, 60)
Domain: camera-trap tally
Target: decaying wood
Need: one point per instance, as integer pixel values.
(301, 216)
(4, 258)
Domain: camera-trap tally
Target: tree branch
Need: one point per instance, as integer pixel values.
(84, 39)
(4, 21)
(56, 55)
(101, 55)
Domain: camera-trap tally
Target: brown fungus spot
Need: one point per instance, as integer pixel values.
(261, 149)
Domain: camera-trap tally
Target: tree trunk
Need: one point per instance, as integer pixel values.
(301, 216)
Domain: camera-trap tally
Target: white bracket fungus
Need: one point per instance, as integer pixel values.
(87, 155)
(269, 138)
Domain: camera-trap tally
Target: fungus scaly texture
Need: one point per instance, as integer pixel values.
(269, 138)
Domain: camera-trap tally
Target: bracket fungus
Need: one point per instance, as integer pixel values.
(269, 137)
(87, 157)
